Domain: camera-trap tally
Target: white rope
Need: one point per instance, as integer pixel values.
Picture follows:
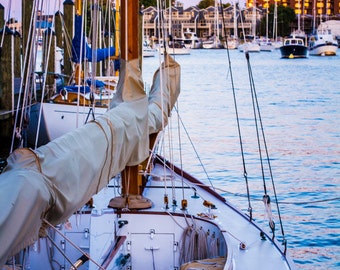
(27, 63)
(47, 56)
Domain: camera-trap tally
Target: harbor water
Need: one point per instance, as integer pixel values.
(299, 103)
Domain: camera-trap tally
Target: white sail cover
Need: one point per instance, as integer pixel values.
(55, 180)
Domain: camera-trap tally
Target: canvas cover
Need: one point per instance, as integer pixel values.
(57, 179)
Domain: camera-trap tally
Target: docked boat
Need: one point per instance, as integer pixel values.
(84, 98)
(266, 45)
(212, 43)
(148, 51)
(294, 47)
(249, 43)
(108, 196)
(191, 40)
(323, 42)
(174, 47)
(249, 46)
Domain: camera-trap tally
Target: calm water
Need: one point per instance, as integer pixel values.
(300, 109)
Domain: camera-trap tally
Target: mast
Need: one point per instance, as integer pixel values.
(275, 21)
(314, 15)
(131, 179)
(235, 21)
(299, 16)
(253, 25)
(130, 30)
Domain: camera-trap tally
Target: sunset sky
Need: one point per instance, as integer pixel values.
(51, 6)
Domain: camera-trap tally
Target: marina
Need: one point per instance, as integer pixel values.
(300, 105)
(131, 196)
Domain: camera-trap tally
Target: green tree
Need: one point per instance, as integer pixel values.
(153, 3)
(206, 3)
(285, 17)
(148, 3)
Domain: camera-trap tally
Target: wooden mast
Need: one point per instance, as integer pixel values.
(130, 49)
(130, 30)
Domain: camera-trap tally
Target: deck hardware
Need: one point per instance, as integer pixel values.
(152, 233)
(243, 246)
(121, 223)
(175, 245)
(62, 243)
(86, 233)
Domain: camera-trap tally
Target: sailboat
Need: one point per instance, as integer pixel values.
(172, 45)
(251, 44)
(214, 42)
(232, 41)
(277, 44)
(84, 98)
(99, 197)
(266, 44)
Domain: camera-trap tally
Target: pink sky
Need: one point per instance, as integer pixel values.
(15, 7)
(50, 5)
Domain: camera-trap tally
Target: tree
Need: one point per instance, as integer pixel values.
(148, 3)
(153, 3)
(285, 17)
(206, 3)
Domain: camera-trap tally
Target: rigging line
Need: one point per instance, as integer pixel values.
(73, 244)
(169, 127)
(180, 147)
(47, 56)
(253, 94)
(161, 78)
(254, 98)
(311, 202)
(80, 69)
(239, 133)
(267, 156)
(195, 150)
(27, 67)
(280, 202)
(61, 251)
(269, 164)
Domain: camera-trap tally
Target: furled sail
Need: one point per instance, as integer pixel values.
(55, 180)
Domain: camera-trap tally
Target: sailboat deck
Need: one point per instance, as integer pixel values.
(242, 238)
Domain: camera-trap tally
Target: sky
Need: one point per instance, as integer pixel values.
(51, 5)
(14, 7)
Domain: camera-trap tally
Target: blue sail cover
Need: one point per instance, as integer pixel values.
(77, 55)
